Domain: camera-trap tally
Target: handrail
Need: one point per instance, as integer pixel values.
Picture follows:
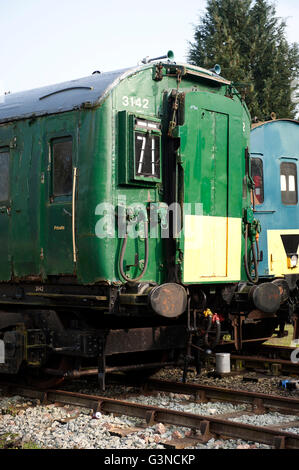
(74, 215)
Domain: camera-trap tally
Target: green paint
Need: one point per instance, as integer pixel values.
(213, 139)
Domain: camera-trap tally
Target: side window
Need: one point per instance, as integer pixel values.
(258, 179)
(62, 167)
(4, 174)
(288, 183)
(147, 135)
(147, 155)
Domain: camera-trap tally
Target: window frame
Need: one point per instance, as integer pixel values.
(127, 158)
(140, 130)
(256, 202)
(53, 141)
(287, 191)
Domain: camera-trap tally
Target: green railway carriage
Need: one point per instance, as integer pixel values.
(125, 197)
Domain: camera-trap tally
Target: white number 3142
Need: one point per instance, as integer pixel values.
(135, 101)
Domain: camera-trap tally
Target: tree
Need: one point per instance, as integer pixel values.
(248, 41)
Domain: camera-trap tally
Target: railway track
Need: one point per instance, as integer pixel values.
(203, 427)
(273, 360)
(260, 402)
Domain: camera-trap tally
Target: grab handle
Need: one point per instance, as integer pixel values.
(74, 215)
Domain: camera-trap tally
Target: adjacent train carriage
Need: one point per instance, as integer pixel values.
(125, 220)
(274, 167)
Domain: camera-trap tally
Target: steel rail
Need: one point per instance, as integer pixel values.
(260, 349)
(87, 372)
(257, 361)
(275, 348)
(208, 426)
(261, 401)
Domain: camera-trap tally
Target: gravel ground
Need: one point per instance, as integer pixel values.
(294, 430)
(180, 402)
(268, 419)
(265, 384)
(33, 425)
(67, 427)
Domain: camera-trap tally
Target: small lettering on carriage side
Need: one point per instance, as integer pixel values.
(59, 227)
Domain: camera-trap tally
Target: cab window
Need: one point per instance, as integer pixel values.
(258, 179)
(288, 183)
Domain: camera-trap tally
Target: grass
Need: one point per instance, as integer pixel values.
(13, 441)
(30, 445)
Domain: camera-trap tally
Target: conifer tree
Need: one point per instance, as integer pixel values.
(247, 39)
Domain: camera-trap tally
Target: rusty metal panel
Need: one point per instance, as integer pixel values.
(145, 339)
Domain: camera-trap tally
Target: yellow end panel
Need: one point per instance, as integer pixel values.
(212, 249)
(277, 256)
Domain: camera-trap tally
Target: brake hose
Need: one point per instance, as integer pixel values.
(254, 281)
(122, 254)
(206, 337)
(218, 332)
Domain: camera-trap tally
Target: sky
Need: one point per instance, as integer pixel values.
(45, 42)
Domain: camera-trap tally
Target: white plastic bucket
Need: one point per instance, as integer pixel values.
(222, 363)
